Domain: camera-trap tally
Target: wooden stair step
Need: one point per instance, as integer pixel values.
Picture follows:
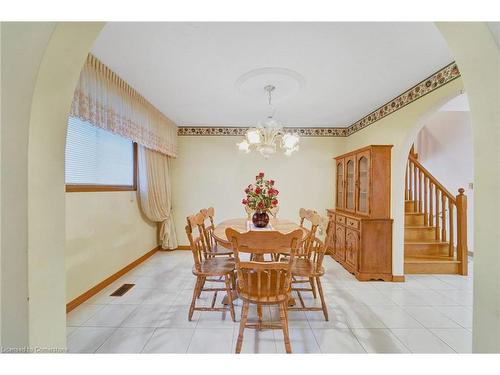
(432, 264)
(430, 259)
(427, 227)
(414, 218)
(409, 206)
(419, 233)
(426, 247)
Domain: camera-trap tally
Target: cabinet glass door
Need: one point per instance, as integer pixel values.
(350, 185)
(340, 184)
(363, 183)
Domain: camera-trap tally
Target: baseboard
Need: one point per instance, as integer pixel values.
(103, 284)
(398, 278)
(183, 247)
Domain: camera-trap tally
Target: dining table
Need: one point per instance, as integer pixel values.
(243, 225)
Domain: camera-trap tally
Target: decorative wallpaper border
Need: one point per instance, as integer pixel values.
(239, 131)
(443, 76)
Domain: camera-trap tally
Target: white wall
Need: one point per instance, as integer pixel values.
(105, 231)
(210, 171)
(444, 147)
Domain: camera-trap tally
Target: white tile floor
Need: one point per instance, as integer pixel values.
(426, 314)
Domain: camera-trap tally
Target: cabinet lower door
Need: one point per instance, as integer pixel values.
(340, 243)
(351, 248)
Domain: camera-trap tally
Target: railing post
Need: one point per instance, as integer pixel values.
(462, 253)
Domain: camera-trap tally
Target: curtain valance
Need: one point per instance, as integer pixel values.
(107, 101)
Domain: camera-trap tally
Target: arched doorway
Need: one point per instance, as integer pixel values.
(439, 232)
(52, 96)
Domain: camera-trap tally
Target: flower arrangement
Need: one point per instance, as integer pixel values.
(261, 196)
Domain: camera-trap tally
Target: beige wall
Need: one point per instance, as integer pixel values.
(478, 57)
(210, 171)
(105, 231)
(23, 46)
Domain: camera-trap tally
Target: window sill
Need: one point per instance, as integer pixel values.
(97, 188)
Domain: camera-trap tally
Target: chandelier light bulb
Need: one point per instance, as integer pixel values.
(290, 140)
(244, 146)
(253, 136)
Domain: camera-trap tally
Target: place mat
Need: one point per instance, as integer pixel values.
(252, 227)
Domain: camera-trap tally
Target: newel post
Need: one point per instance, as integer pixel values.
(462, 252)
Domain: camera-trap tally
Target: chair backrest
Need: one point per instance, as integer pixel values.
(274, 211)
(317, 252)
(210, 214)
(196, 243)
(306, 215)
(249, 212)
(315, 220)
(207, 228)
(264, 280)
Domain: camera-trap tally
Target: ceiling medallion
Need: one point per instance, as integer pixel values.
(267, 136)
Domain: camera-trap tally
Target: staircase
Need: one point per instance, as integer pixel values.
(435, 238)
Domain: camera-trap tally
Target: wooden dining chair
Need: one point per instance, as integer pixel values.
(274, 211)
(313, 219)
(308, 267)
(207, 227)
(249, 212)
(209, 269)
(264, 283)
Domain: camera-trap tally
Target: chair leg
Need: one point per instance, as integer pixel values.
(259, 315)
(196, 292)
(201, 288)
(322, 297)
(284, 325)
(230, 297)
(313, 287)
(233, 280)
(243, 323)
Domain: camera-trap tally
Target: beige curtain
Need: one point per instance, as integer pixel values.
(106, 101)
(155, 193)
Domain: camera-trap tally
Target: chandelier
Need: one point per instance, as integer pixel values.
(266, 137)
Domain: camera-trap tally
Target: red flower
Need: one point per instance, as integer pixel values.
(261, 174)
(247, 190)
(276, 192)
(271, 192)
(260, 205)
(257, 190)
(244, 201)
(271, 182)
(275, 202)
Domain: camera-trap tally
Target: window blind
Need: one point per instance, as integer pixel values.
(97, 157)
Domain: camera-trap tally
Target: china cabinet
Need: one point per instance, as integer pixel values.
(360, 230)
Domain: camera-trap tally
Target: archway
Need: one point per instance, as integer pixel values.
(440, 163)
(53, 93)
(57, 78)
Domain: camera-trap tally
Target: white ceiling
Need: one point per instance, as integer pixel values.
(189, 70)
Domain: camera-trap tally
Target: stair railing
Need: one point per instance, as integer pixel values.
(438, 207)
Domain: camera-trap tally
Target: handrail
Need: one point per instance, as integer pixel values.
(432, 178)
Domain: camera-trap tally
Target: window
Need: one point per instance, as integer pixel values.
(98, 160)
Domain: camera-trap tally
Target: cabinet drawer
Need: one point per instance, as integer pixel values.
(340, 219)
(352, 223)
